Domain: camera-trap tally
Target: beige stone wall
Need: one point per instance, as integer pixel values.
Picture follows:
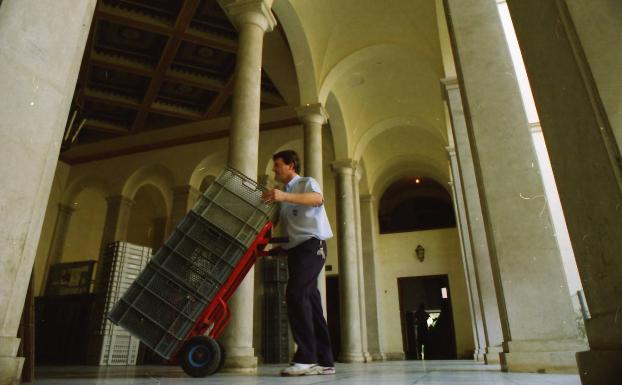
(85, 227)
(396, 259)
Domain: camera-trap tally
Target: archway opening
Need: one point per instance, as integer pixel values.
(147, 226)
(415, 203)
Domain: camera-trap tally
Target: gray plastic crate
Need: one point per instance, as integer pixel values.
(199, 255)
(158, 310)
(275, 270)
(233, 204)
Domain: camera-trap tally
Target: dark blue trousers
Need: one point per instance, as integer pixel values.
(304, 304)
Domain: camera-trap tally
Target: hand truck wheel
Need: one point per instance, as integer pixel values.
(200, 356)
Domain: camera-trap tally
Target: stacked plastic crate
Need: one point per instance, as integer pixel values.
(275, 323)
(122, 262)
(168, 297)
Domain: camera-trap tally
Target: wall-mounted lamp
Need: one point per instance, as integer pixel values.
(420, 253)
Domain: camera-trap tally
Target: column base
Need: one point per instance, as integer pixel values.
(492, 355)
(394, 356)
(240, 364)
(545, 356)
(10, 366)
(351, 357)
(378, 356)
(600, 367)
(367, 356)
(479, 355)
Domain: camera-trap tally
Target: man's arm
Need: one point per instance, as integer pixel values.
(305, 199)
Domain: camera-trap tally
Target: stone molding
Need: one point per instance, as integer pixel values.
(256, 12)
(344, 166)
(312, 113)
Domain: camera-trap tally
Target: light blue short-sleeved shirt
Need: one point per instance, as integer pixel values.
(301, 222)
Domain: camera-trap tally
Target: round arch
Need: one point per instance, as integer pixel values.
(301, 52)
(210, 165)
(296, 145)
(400, 167)
(338, 129)
(415, 203)
(157, 175)
(385, 125)
(84, 182)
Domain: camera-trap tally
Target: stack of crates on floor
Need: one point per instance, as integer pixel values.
(165, 302)
(122, 262)
(275, 322)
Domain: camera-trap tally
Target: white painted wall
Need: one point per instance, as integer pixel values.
(396, 259)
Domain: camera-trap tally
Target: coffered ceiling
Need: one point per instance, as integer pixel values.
(150, 64)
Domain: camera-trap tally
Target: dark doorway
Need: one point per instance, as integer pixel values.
(439, 340)
(332, 313)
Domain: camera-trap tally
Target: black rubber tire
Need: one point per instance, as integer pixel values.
(200, 356)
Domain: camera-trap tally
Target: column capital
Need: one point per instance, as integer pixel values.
(366, 198)
(344, 166)
(451, 151)
(535, 127)
(250, 12)
(185, 189)
(66, 209)
(120, 200)
(449, 83)
(312, 113)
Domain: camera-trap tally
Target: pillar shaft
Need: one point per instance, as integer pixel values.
(313, 117)
(477, 321)
(526, 261)
(579, 107)
(373, 319)
(351, 346)
(116, 224)
(482, 263)
(252, 19)
(57, 246)
(356, 177)
(39, 71)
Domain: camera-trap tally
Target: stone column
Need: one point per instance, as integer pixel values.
(373, 319)
(477, 321)
(351, 345)
(40, 66)
(158, 226)
(578, 102)
(252, 19)
(313, 117)
(482, 264)
(63, 218)
(356, 177)
(536, 312)
(184, 198)
(116, 225)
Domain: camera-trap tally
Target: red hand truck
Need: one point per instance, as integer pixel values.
(178, 304)
(201, 355)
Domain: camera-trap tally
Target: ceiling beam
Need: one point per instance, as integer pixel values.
(216, 106)
(107, 127)
(186, 13)
(143, 22)
(105, 97)
(110, 153)
(126, 102)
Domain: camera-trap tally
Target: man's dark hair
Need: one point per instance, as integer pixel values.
(289, 157)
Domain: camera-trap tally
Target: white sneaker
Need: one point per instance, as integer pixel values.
(298, 369)
(327, 370)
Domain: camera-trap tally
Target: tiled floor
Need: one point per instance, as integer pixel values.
(394, 372)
